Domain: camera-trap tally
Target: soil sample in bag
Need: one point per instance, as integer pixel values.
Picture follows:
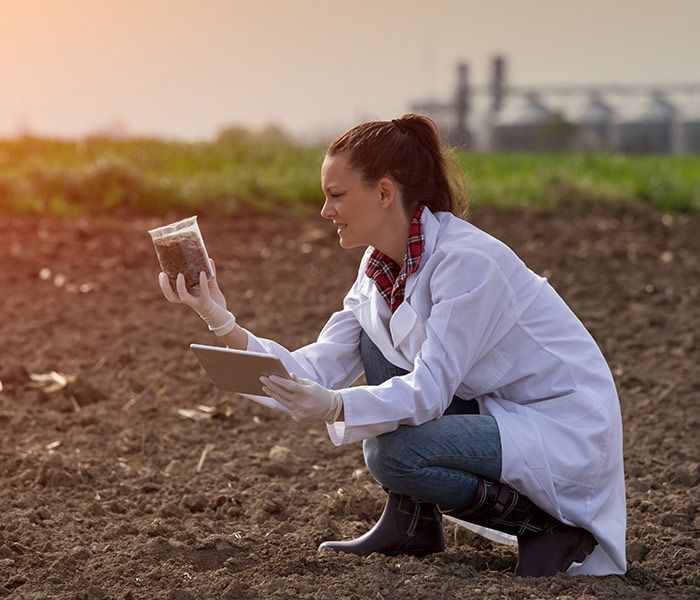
(182, 253)
(180, 249)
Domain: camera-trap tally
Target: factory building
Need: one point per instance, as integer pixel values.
(528, 119)
(522, 124)
(690, 132)
(655, 129)
(597, 126)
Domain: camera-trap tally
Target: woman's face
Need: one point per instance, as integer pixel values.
(351, 203)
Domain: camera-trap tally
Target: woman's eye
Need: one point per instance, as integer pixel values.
(336, 195)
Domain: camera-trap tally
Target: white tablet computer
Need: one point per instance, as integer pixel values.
(238, 370)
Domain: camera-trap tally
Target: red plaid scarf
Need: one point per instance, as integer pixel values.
(385, 272)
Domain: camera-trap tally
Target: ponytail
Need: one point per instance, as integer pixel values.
(409, 150)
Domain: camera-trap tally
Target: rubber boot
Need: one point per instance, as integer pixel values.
(405, 527)
(550, 552)
(545, 545)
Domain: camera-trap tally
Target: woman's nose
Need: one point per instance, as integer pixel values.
(326, 211)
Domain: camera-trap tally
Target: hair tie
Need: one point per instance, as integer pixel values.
(400, 125)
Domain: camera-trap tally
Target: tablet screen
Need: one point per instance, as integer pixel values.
(238, 370)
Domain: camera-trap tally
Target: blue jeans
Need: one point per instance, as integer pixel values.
(439, 461)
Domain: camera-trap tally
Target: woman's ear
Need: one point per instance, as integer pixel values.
(387, 191)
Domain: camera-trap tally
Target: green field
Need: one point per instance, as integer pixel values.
(70, 178)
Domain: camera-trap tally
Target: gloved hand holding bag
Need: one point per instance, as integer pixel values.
(206, 300)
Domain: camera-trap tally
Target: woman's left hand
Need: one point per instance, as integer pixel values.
(306, 400)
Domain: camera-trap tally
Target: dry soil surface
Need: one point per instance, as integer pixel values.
(128, 475)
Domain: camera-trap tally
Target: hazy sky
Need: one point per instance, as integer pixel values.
(183, 68)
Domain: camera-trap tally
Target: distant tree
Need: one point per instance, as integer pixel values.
(274, 133)
(114, 130)
(558, 133)
(233, 134)
(271, 133)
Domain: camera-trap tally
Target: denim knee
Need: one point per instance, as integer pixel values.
(387, 459)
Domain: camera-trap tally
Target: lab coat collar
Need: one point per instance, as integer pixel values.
(375, 315)
(404, 319)
(431, 226)
(402, 323)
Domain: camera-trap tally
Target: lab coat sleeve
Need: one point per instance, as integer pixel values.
(473, 308)
(333, 360)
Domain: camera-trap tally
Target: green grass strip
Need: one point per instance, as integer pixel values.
(151, 176)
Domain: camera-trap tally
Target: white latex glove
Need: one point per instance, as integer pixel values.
(206, 299)
(306, 400)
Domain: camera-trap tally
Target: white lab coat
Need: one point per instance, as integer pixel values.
(476, 322)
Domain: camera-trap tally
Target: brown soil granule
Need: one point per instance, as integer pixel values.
(182, 254)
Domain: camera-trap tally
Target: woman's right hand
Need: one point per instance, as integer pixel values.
(206, 299)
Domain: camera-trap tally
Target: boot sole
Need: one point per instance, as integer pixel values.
(577, 554)
(416, 553)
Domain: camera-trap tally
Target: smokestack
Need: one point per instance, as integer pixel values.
(462, 101)
(498, 83)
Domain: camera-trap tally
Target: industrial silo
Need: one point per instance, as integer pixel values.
(656, 128)
(525, 124)
(690, 131)
(597, 125)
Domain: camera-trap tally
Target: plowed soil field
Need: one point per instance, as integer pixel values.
(126, 474)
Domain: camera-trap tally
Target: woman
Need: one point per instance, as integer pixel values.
(486, 398)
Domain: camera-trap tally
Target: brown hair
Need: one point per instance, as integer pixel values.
(408, 150)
